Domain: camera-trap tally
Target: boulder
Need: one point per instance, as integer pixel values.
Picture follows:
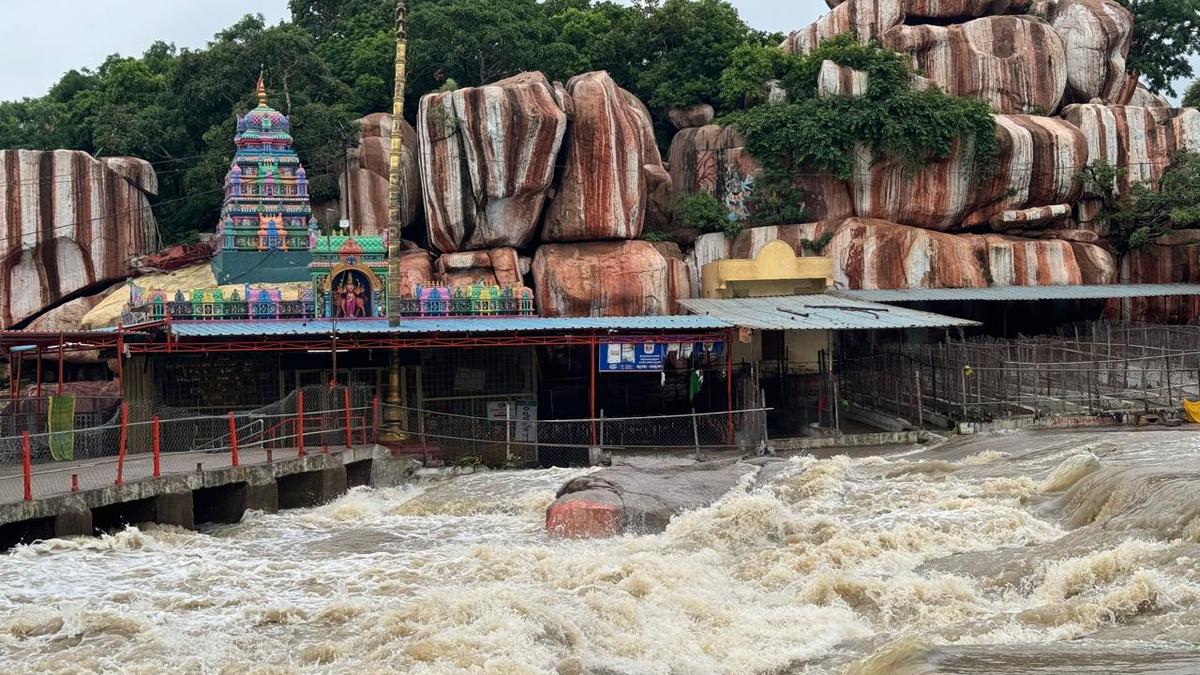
(487, 158)
(713, 160)
(1039, 164)
(695, 116)
(497, 266)
(365, 183)
(70, 222)
(1024, 219)
(1144, 98)
(876, 254)
(1137, 140)
(1160, 264)
(606, 278)
(1017, 64)
(1096, 35)
(609, 152)
(708, 248)
(69, 315)
(868, 19)
(638, 500)
(415, 268)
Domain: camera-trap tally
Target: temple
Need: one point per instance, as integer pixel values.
(267, 208)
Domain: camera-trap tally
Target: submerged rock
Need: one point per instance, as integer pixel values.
(626, 499)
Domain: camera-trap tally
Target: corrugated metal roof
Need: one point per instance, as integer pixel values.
(523, 324)
(817, 312)
(1009, 293)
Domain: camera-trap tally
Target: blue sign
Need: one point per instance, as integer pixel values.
(658, 356)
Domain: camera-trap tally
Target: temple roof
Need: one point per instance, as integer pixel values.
(264, 121)
(341, 244)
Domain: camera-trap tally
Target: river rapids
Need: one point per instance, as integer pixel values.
(1056, 552)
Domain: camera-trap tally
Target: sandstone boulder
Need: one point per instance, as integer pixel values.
(695, 116)
(708, 248)
(713, 160)
(487, 158)
(1137, 140)
(365, 183)
(1160, 264)
(1039, 165)
(604, 186)
(1145, 98)
(1015, 63)
(606, 278)
(69, 222)
(497, 266)
(876, 254)
(1096, 35)
(415, 268)
(638, 500)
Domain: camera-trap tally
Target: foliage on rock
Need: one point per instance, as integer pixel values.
(1148, 210)
(814, 132)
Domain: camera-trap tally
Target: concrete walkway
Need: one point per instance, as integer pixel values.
(49, 480)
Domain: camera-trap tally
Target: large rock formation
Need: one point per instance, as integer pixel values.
(497, 266)
(713, 160)
(875, 254)
(1015, 63)
(365, 184)
(487, 157)
(414, 268)
(607, 278)
(1096, 35)
(69, 222)
(1173, 258)
(610, 165)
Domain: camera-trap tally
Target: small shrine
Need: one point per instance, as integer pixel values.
(349, 275)
(267, 208)
(246, 302)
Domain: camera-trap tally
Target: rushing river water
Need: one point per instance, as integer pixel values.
(1056, 553)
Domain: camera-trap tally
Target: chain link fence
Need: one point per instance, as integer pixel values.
(1094, 368)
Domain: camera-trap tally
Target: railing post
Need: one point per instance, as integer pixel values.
(602, 428)
(157, 447)
(695, 434)
(375, 419)
(233, 446)
(507, 432)
(346, 405)
(300, 423)
(121, 448)
(26, 467)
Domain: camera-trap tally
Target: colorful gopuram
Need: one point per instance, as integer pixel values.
(349, 275)
(267, 209)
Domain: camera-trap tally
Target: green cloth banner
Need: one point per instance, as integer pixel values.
(61, 421)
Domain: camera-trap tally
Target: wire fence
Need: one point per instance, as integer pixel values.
(1094, 368)
(511, 437)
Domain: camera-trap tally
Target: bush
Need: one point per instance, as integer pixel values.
(1147, 211)
(701, 211)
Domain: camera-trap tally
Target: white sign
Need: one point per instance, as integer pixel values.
(524, 418)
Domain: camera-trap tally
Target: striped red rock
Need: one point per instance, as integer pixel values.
(713, 160)
(415, 268)
(1015, 63)
(875, 254)
(606, 278)
(1096, 35)
(69, 222)
(868, 19)
(1138, 140)
(497, 266)
(1160, 264)
(365, 184)
(487, 157)
(1039, 165)
(1039, 216)
(610, 145)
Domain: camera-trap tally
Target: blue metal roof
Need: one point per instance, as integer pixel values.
(508, 324)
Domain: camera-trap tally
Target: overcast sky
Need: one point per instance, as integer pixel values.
(39, 41)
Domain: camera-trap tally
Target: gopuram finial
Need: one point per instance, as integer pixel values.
(262, 88)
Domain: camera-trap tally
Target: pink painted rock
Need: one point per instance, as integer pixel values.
(1039, 165)
(69, 222)
(1096, 35)
(603, 190)
(415, 269)
(487, 157)
(365, 183)
(876, 254)
(497, 266)
(1015, 63)
(606, 278)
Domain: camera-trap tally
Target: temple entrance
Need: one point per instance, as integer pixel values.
(352, 294)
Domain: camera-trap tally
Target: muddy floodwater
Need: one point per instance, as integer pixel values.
(1049, 553)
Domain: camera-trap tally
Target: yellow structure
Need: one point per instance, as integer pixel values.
(776, 271)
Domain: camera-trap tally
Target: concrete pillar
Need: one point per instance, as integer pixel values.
(75, 520)
(332, 483)
(176, 508)
(263, 497)
(389, 471)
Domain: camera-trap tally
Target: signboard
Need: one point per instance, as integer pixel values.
(644, 357)
(524, 418)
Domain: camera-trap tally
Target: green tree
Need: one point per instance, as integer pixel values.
(1165, 34)
(1191, 97)
(690, 43)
